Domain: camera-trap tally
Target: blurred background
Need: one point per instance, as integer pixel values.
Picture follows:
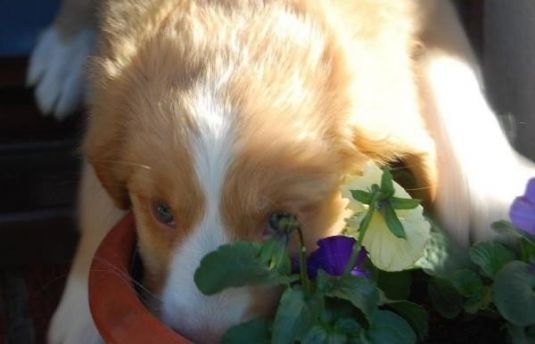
(508, 56)
(39, 164)
(38, 176)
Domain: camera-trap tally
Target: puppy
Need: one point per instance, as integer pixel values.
(208, 118)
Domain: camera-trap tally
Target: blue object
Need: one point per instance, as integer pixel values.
(21, 22)
(333, 255)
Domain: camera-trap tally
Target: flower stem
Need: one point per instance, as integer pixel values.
(352, 260)
(303, 262)
(365, 223)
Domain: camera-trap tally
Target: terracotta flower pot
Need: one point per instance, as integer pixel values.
(118, 313)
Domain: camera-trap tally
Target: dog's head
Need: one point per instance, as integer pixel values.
(208, 127)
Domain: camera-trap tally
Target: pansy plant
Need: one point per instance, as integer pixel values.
(388, 222)
(354, 287)
(332, 295)
(502, 284)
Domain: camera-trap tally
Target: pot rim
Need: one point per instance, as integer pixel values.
(118, 313)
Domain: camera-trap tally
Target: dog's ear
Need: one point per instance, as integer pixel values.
(103, 152)
(103, 158)
(104, 140)
(105, 135)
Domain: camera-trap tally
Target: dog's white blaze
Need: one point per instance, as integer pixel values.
(184, 307)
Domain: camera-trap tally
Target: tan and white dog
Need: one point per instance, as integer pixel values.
(208, 117)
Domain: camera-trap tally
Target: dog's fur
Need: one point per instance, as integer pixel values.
(231, 110)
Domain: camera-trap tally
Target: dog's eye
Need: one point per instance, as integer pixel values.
(163, 213)
(280, 224)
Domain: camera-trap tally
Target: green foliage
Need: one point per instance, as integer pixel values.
(466, 282)
(362, 196)
(521, 335)
(395, 285)
(392, 220)
(360, 292)
(344, 330)
(498, 281)
(415, 314)
(243, 263)
(387, 183)
(273, 255)
(320, 334)
(507, 228)
(442, 256)
(526, 250)
(387, 327)
(338, 309)
(514, 290)
(490, 257)
(504, 287)
(253, 331)
(294, 316)
(463, 289)
(404, 203)
(444, 298)
(503, 227)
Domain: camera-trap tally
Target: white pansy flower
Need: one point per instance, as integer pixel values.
(387, 252)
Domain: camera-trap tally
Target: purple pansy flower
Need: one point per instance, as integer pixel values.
(522, 212)
(333, 255)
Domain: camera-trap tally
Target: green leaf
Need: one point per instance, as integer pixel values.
(490, 257)
(235, 265)
(285, 224)
(334, 309)
(319, 334)
(521, 335)
(293, 318)
(478, 301)
(339, 333)
(503, 227)
(404, 203)
(469, 284)
(514, 293)
(388, 327)
(347, 326)
(527, 250)
(392, 221)
(360, 292)
(253, 331)
(444, 298)
(442, 256)
(506, 227)
(466, 282)
(395, 285)
(362, 196)
(387, 184)
(415, 314)
(274, 255)
(325, 282)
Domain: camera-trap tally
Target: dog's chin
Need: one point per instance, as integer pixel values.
(205, 319)
(202, 336)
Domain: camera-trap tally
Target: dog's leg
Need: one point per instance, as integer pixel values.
(57, 63)
(479, 174)
(72, 322)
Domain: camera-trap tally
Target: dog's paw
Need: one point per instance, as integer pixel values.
(72, 322)
(57, 68)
